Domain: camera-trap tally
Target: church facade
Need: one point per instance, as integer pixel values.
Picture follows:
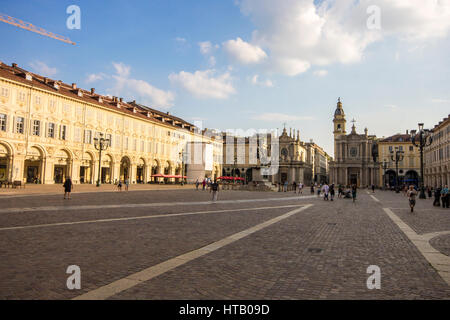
(354, 154)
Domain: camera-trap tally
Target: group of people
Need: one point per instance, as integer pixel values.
(208, 183)
(441, 195)
(329, 191)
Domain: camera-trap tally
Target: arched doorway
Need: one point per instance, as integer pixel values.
(391, 178)
(411, 177)
(107, 169)
(125, 169)
(155, 170)
(86, 168)
(167, 170)
(33, 167)
(249, 175)
(5, 157)
(62, 166)
(140, 171)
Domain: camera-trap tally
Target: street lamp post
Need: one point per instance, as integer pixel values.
(397, 156)
(234, 169)
(100, 144)
(181, 154)
(384, 165)
(424, 140)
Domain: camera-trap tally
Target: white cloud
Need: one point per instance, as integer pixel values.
(320, 73)
(207, 48)
(440, 100)
(43, 69)
(93, 77)
(203, 84)
(139, 89)
(212, 61)
(244, 52)
(180, 40)
(255, 80)
(299, 34)
(277, 117)
(392, 106)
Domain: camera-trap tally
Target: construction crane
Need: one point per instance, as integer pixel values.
(29, 26)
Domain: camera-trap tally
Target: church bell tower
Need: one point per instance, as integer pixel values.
(339, 120)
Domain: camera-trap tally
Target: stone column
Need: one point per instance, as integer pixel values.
(346, 176)
(132, 172)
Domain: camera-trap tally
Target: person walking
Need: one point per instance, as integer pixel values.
(430, 192)
(196, 184)
(373, 188)
(445, 197)
(312, 189)
(215, 190)
(325, 190)
(294, 186)
(300, 188)
(285, 186)
(318, 190)
(340, 191)
(354, 192)
(68, 185)
(437, 197)
(332, 192)
(204, 184)
(127, 182)
(119, 185)
(411, 194)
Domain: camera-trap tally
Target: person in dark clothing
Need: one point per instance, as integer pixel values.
(332, 192)
(312, 189)
(340, 191)
(68, 185)
(430, 192)
(215, 190)
(354, 192)
(437, 197)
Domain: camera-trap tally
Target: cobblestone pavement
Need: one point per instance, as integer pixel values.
(321, 252)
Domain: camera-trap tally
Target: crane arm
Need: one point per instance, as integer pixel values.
(29, 26)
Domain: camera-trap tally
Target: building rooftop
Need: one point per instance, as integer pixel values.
(397, 138)
(15, 73)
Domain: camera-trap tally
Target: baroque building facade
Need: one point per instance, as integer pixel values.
(47, 131)
(295, 160)
(408, 167)
(354, 162)
(437, 156)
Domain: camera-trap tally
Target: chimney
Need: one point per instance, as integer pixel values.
(407, 132)
(114, 99)
(74, 86)
(134, 101)
(45, 80)
(120, 99)
(92, 90)
(14, 65)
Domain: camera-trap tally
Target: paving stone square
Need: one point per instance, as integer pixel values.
(262, 245)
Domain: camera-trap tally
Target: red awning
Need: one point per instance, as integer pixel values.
(159, 175)
(230, 178)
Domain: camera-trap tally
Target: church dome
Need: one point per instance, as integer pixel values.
(339, 111)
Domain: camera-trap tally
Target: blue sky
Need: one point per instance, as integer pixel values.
(250, 63)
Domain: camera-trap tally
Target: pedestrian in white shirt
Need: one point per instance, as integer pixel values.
(325, 190)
